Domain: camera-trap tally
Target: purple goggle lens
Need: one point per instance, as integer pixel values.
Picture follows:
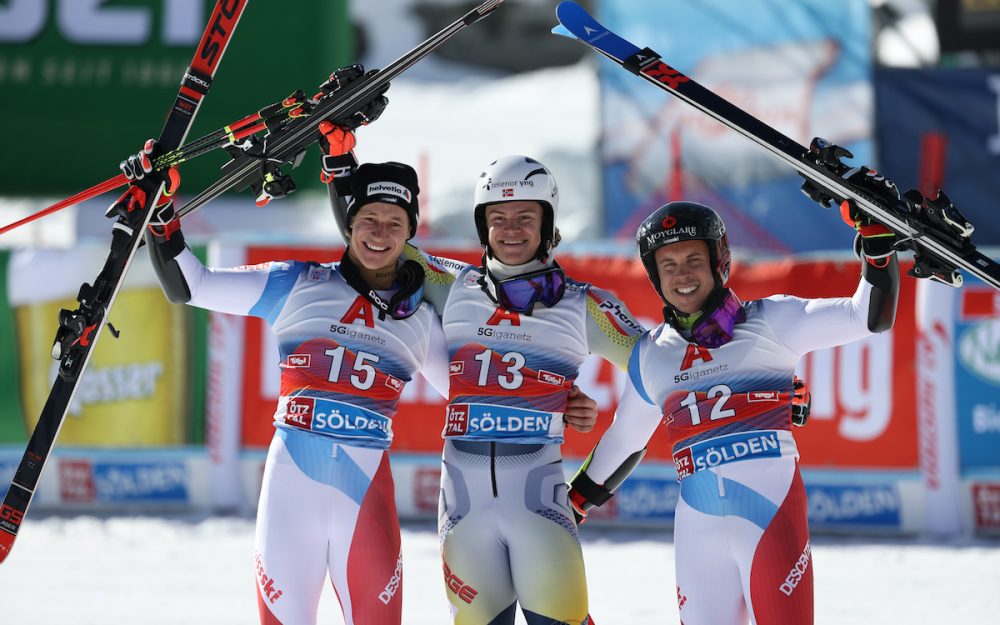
(406, 307)
(520, 293)
(716, 329)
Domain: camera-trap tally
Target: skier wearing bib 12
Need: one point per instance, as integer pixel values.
(351, 334)
(719, 374)
(518, 330)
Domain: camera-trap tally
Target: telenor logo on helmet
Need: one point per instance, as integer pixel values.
(389, 188)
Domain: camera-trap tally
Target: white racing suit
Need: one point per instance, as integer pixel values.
(507, 531)
(741, 536)
(327, 505)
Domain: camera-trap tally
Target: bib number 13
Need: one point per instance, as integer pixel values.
(509, 375)
(721, 393)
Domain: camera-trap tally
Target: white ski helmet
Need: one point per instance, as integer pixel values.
(515, 178)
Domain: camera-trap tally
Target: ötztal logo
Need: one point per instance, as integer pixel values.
(298, 360)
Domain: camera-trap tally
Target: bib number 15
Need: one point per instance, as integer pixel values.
(364, 373)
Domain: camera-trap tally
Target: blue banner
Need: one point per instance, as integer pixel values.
(801, 67)
(941, 126)
(835, 505)
(977, 377)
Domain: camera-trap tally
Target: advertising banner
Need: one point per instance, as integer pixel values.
(11, 423)
(986, 507)
(135, 390)
(977, 377)
(99, 75)
(864, 411)
(801, 67)
(929, 141)
(97, 479)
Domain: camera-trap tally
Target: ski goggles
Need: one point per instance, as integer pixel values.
(520, 293)
(716, 329)
(403, 307)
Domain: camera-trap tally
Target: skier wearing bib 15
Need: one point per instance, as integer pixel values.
(719, 373)
(351, 334)
(518, 330)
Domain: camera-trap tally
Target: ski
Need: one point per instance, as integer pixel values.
(260, 162)
(932, 228)
(80, 329)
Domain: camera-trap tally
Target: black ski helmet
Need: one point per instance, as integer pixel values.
(391, 182)
(684, 221)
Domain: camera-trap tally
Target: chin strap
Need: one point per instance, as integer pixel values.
(409, 282)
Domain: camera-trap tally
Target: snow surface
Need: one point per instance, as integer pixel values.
(159, 571)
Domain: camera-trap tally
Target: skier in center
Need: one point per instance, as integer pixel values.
(517, 330)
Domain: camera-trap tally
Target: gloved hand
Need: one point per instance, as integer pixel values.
(139, 167)
(368, 111)
(164, 225)
(136, 167)
(335, 142)
(876, 240)
(801, 402)
(579, 504)
(164, 222)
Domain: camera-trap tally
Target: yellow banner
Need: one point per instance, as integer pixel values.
(134, 392)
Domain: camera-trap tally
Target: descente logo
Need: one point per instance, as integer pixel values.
(389, 188)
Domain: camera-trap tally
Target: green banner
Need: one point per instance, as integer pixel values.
(88, 82)
(11, 413)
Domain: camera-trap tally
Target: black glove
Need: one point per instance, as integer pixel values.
(164, 224)
(801, 402)
(579, 504)
(366, 112)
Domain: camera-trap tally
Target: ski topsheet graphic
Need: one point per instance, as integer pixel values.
(79, 329)
(932, 228)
